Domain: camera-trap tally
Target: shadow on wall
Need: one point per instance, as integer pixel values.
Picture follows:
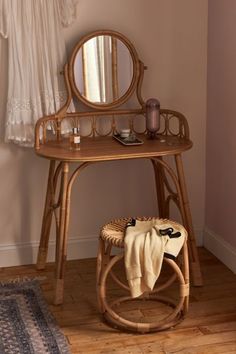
(22, 181)
(22, 189)
(119, 189)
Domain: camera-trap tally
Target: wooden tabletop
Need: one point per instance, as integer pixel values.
(107, 148)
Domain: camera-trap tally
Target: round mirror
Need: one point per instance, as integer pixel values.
(103, 69)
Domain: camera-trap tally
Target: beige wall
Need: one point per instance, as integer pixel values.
(170, 37)
(221, 131)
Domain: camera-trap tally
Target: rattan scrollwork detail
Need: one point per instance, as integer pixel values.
(167, 186)
(51, 127)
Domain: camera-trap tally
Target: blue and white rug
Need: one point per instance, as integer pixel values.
(26, 325)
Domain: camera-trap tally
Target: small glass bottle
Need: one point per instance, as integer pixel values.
(75, 139)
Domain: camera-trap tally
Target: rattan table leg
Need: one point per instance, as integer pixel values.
(60, 259)
(47, 219)
(62, 237)
(100, 267)
(59, 291)
(160, 191)
(194, 259)
(181, 200)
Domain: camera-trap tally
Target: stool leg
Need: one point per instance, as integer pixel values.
(47, 219)
(186, 275)
(117, 320)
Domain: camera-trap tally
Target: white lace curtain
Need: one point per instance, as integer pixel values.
(36, 55)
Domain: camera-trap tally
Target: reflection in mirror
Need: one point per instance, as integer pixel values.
(103, 69)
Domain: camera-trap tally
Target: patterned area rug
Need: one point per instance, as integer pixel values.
(26, 325)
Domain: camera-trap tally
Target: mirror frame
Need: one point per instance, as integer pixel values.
(136, 70)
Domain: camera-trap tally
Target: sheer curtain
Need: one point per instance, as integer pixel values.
(37, 53)
(97, 67)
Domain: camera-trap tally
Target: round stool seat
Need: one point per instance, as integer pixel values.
(112, 234)
(114, 231)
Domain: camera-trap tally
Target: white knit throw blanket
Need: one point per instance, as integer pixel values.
(145, 246)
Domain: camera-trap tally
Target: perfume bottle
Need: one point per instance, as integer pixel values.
(152, 117)
(75, 139)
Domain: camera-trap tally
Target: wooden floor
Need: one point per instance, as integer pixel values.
(209, 328)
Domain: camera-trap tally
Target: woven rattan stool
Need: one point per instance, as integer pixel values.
(112, 235)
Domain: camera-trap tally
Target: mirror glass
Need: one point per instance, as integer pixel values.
(103, 69)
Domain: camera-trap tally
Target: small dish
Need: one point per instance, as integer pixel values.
(128, 141)
(125, 133)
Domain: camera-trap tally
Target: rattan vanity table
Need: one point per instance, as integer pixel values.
(99, 146)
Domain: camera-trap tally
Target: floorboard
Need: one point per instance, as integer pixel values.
(209, 328)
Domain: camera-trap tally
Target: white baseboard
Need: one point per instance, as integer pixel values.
(225, 252)
(78, 248)
(26, 253)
